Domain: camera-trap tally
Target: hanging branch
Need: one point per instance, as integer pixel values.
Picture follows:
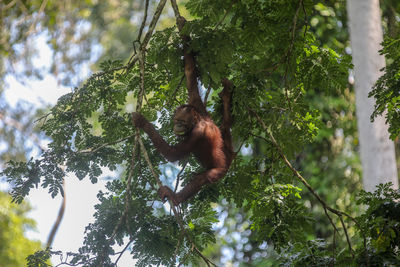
(146, 156)
(347, 236)
(144, 151)
(122, 252)
(137, 56)
(60, 215)
(206, 95)
(176, 9)
(289, 52)
(143, 21)
(146, 39)
(178, 177)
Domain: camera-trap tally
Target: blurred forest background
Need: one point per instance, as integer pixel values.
(83, 34)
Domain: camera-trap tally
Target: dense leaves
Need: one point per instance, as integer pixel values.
(381, 222)
(276, 64)
(386, 90)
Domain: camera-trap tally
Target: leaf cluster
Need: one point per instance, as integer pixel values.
(386, 89)
(264, 48)
(381, 225)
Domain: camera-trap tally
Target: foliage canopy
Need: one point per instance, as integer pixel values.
(14, 246)
(276, 64)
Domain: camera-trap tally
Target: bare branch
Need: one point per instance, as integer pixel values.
(59, 218)
(178, 177)
(9, 5)
(153, 23)
(347, 236)
(144, 20)
(148, 35)
(93, 150)
(289, 52)
(206, 95)
(122, 252)
(175, 8)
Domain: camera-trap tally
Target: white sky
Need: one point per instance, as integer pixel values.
(80, 195)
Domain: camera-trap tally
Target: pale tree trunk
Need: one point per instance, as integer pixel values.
(376, 149)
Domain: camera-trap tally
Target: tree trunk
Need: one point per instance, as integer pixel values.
(376, 149)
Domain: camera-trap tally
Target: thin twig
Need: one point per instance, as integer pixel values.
(122, 252)
(178, 246)
(9, 5)
(23, 7)
(330, 220)
(42, 117)
(150, 165)
(60, 216)
(206, 95)
(175, 8)
(224, 17)
(334, 230)
(143, 21)
(93, 150)
(289, 52)
(101, 73)
(148, 35)
(178, 177)
(269, 69)
(347, 236)
(288, 55)
(142, 74)
(153, 23)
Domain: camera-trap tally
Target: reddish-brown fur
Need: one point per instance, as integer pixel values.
(203, 139)
(210, 145)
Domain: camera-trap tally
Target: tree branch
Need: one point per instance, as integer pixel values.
(148, 35)
(305, 183)
(223, 18)
(179, 176)
(60, 216)
(190, 65)
(93, 150)
(289, 52)
(143, 21)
